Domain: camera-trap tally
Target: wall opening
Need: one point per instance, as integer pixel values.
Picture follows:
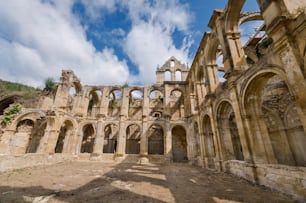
(88, 139)
(156, 140)
(231, 145)
(110, 138)
(179, 144)
(65, 137)
(133, 133)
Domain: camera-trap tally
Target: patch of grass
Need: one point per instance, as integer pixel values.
(9, 87)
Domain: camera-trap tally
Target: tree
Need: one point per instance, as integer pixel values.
(49, 84)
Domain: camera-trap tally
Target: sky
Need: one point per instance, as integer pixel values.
(105, 42)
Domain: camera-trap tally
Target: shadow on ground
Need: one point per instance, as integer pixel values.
(125, 182)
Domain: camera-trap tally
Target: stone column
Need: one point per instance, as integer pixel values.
(168, 139)
(104, 101)
(51, 134)
(121, 137)
(144, 141)
(99, 141)
(241, 128)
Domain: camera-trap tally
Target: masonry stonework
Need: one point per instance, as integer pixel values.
(252, 123)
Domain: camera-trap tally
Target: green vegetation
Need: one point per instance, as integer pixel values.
(49, 85)
(9, 87)
(125, 85)
(13, 110)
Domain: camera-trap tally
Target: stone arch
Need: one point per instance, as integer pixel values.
(88, 138)
(156, 97)
(27, 114)
(176, 93)
(93, 104)
(135, 103)
(269, 90)
(232, 15)
(24, 130)
(179, 144)
(249, 16)
(167, 75)
(111, 132)
(133, 134)
(176, 104)
(209, 145)
(6, 102)
(65, 137)
(156, 140)
(115, 101)
(228, 132)
(213, 50)
(36, 135)
(178, 75)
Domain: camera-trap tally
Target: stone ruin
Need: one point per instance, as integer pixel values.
(251, 122)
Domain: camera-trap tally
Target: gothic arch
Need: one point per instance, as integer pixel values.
(228, 132)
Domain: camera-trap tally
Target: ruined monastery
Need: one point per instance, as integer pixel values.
(251, 123)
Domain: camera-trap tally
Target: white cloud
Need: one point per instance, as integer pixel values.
(147, 46)
(150, 40)
(39, 39)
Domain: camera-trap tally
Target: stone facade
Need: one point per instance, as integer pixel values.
(251, 123)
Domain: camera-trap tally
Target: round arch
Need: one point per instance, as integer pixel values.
(133, 134)
(228, 131)
(268, 89)
(156, 139)
(179, 143)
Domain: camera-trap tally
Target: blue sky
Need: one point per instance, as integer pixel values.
(102, 41)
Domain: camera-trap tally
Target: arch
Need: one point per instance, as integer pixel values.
(232, 15)
(6, 102)
(167, 76)
(178, 75)
(156, 97)
(110, 138)
(249, 16)
(179, 144)
(264, 100)
(26, 114)
(93, 103)
(64, 140)
(36, 135)
(209, 142)
(24, 130)
(135, 103)
(115, 100)
(155, 140)
(228, 131)
(133, 133)
(177, 93)
(88, 139)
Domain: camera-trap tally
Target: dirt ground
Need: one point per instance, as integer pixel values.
(123, 182)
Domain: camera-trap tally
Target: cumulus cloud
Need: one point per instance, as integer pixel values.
(150, 41)
(39, 38)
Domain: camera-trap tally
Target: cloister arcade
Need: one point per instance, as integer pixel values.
(239, 108)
